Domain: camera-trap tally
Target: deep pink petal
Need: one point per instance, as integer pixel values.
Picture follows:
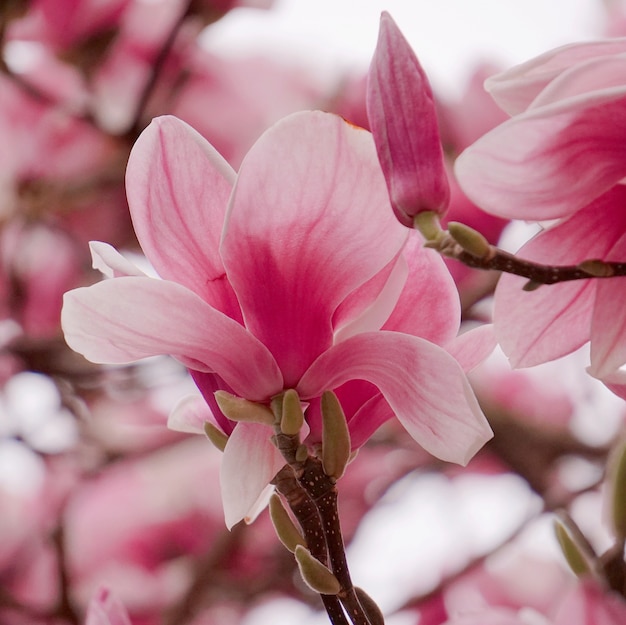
(308, 224)
(424, 385)
(516, 88)
(250, 462)
(178, 188)
(551, 161)
(125, 319)
(429, 304)
(534, 327)
(403, 119)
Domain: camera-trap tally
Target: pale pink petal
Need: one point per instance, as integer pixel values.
(472, 347)
(551, 161)
(190, 414)
(106, 609)
(424, 385)
(517, 87)
(178, 188)
(542, 325)
(122, 320)
(597, 74)
(403, 118)
(106, 259)
(588, 604)
(309, 222)
(429, 304)
(369, 307)
(372, 414)
(250, 461)
(608, 325)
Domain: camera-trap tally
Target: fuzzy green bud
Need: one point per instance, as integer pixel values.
(335, 436)
(370, 607)
(215, 435)
(469, 239)
(574, 552)
(596, 268)
(292, 418)
(287, 532)
(427, 223)
(239, 409)
(316, 575)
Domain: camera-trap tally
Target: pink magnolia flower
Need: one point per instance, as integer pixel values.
(560, 157)
(564, 146)
(282, 277)
(403, 120)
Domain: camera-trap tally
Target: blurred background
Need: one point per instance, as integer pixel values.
(95, 491)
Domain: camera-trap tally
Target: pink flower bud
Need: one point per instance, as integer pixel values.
(403, 120)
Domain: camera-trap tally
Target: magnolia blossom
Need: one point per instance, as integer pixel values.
(292, 273)
(403, 119)
(560, 157)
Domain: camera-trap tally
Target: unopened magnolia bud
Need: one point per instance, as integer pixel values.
(596, 268)
(215, 435)
(287, 532)
(292, 418)
(335, 436)
(427, 223)
(469, 239)
(574, 552)
(370, 607)
(531, 285)
(239, 409)
(302, 453)
(616, 491)
(316, 575)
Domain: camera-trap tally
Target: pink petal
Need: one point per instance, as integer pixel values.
(106, 259)
(429, 304)
(250, 462)
(608, 330)
(603, 73)
(367, 308)
(190, 414)
(308, 224)
(534, 327)
(122, 320)
(473, 346)
(178, 188)
(516, 88)
(424, 386)
(549, 162)
(403, 119)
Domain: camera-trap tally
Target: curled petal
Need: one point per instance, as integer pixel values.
(178, 188)
(249, 464)
(403, 119)
(125, 319)
(472, 347)
(551, 161)
(190, 414)
(309, 199)
(516, 88)
(106, 259)
(425, 387)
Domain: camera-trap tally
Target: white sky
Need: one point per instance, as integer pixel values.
(449, 36)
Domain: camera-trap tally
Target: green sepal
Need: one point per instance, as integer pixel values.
(215, 435)
(286, 530)
(239, 409)
(316, 576)
(336, 445)
(292, 417)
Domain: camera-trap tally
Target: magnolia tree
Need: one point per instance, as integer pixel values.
(314, 281)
